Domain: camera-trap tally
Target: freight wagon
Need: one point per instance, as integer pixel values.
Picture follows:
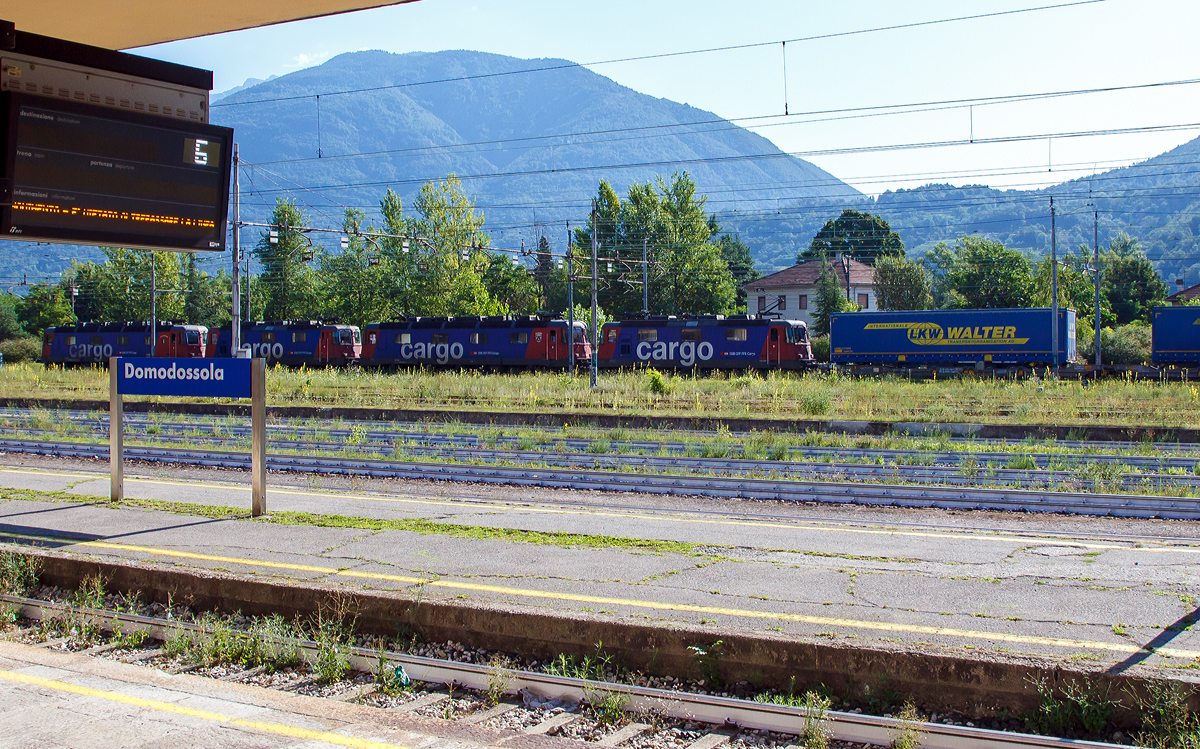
(1175, 336)
(706, 342)
(499, 343)
(1001, 340)
(293, 343)
(95, 342)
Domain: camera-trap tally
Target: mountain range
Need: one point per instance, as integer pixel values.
(532, 138)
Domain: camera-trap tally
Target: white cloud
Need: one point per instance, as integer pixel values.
(303, 60)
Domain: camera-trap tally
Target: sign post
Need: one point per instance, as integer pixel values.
(205, 378)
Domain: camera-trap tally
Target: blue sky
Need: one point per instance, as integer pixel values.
(1110, 43)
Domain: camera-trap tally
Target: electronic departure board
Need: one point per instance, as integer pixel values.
(83, 174)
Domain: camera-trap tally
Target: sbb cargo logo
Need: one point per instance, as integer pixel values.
(686, 352)
(932, 334)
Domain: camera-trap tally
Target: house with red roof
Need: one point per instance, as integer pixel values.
(792, 292)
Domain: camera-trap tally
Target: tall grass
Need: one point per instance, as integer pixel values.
(729, 395)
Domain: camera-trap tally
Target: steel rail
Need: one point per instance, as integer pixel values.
(1116, 505)
(929, 458)
(918, 474)
(713, 710)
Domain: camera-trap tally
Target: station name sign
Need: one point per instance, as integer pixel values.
(201, 378)
(83, 174)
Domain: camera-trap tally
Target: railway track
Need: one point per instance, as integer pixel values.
(415, 437)
(724, 716)
(938, 475)
(739, 487)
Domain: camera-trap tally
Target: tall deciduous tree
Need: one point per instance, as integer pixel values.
(353, 282)
(451, 254)
(287, 279)
(901, 284)
(863, 236)
(988, 275)
(44, 306)
(1130, 283)
(831, 298)
(687, 272)
(736, 255)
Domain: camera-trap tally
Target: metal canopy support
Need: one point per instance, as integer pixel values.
(116, 435)
(258, 432)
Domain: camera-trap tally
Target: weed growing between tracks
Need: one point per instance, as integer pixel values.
(723, 394)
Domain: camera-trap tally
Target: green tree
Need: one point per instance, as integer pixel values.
(206, 298)
(543, 271)
(352, 283)
(510, 286)
(736, 255)
(831, 298)
(451, 252)
(10, 325)
(987, 275)
(44, 306)
(1076, 287)
(287, 279)
(1130, 283)
(901, 284)
(863, 236)
(119, 289)
(687, 270)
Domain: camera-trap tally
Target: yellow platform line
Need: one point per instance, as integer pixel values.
(277, 729)
(820, 621)
(509, 507)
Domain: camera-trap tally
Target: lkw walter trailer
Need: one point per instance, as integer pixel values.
(1003, 341)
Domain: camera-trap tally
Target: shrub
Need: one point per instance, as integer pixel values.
(1128, 344)
(820, 348)
(17, 350)
(656, 383)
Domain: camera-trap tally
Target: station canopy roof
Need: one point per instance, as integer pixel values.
(123, 24)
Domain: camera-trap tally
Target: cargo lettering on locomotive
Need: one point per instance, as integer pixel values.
(267, 350)
(88, 351)
(686, 352)
(440, 352)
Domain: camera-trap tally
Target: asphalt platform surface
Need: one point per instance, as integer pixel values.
(1099, 593)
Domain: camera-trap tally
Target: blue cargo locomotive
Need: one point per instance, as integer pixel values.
(976, 338)
(706, 342)
(95, 342)
(294, 343)
(515, 342)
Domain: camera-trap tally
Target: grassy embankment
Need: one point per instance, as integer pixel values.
(773, 395)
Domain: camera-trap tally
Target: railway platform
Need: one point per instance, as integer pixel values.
(1098, 594)
(55, 698)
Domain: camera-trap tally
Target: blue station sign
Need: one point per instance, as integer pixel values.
(201, 378)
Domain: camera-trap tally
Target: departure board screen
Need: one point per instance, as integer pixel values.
(85, 175)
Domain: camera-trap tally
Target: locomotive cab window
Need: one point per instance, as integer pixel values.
(796, 335)
(647, 334)
(553, 336)
(192, 337)
(49, 338)
(774, 334)
(299, 336)
(371, 338)
(521, 337)
(689, 334)
(212, 337)
(346, 337)
(479, 339)
(403, 338)
(579, 336)
(612, 334)
(441, 338)
(735, 334)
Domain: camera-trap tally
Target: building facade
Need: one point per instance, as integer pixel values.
(792, 292)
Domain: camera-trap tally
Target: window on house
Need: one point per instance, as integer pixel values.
(479, 339)
(689, 334)
(647, 334)
(782, 303)
(803, 304)
(735, 334)
(762, 304)
(862, 300)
